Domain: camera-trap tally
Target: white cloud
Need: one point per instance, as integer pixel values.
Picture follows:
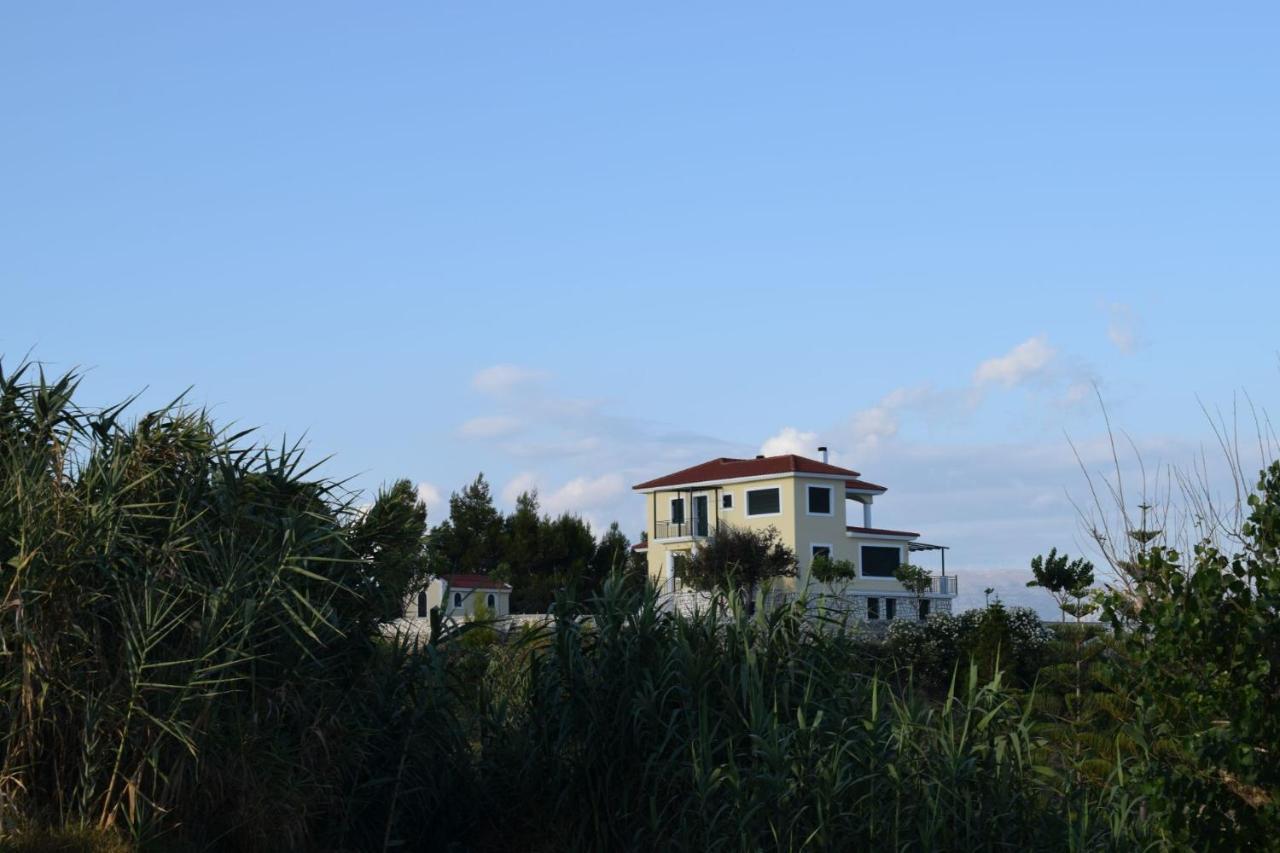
(1120, 329)
(1028, 360)
(869, 429)
(525, 481)
(1077, 392)
(790, 440)
(504, 378)
(433, 498)
(490, 426)
(584, 494)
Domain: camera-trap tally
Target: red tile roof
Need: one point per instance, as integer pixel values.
(726, 468)
(474, 581)
(879, 531)
(640, 547)
(863, 486)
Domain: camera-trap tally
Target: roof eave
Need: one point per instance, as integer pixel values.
(647, 487)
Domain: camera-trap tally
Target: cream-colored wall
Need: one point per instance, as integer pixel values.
(820, 529)
(470, 600)
(799, 530)
(784, 521)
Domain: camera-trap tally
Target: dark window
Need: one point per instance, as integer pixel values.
(726, 501)
(821, 551)
(764, 502)
(890, 608)
(924, 608)
(820, 500)
(677, 511)
(879, 562)
(491, 602)
(422, 605)
(873, 608)
(457, 599)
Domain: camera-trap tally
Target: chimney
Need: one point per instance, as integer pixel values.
(823, 451)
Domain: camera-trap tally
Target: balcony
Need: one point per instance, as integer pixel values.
(683, 529)
(942, 585)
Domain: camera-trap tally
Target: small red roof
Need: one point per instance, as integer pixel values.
(726, 468)
(863, 486)
(880, 531)
(474, 581)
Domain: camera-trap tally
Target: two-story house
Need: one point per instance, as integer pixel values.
(808, 502)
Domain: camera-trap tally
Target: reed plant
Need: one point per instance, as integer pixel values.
(724, 730)
(182, 653)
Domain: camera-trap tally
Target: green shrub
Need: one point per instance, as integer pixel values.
(934, 648)
(1198, 636)
(64, 841)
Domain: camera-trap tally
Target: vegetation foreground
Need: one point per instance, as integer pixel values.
(192, 657)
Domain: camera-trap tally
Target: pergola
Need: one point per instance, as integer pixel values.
(925, 546)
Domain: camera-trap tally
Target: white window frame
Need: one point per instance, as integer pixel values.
(746, 503)
(723, 497)
(862, 563)
(491, 601)
(831, 550)
(831, 500)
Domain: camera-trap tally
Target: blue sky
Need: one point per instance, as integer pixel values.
(577, 245)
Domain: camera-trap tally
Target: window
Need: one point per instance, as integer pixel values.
(764, 501)
(491, 601)
(457, 599)
(890, 608)
(726, 501)
(820, 551)
(422, 605)
(873, 608)
(880, 562)
(677, 565)
(924, 609)
(819, 500)
(700, 513)
(677, 510)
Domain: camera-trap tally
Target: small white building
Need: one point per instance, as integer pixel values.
(459, 597)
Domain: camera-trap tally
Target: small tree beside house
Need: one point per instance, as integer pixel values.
(915, 580)
(739, 559)
(836, 574)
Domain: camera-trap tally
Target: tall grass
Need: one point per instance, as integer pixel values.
(724, 731)
(179, 643)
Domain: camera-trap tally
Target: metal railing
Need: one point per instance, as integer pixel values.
(943, 585)
(678, 529)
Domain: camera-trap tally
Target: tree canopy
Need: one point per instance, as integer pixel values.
(536, 553)
(470, 539)
(1063, 577)
(739, 558)
(391, 538)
